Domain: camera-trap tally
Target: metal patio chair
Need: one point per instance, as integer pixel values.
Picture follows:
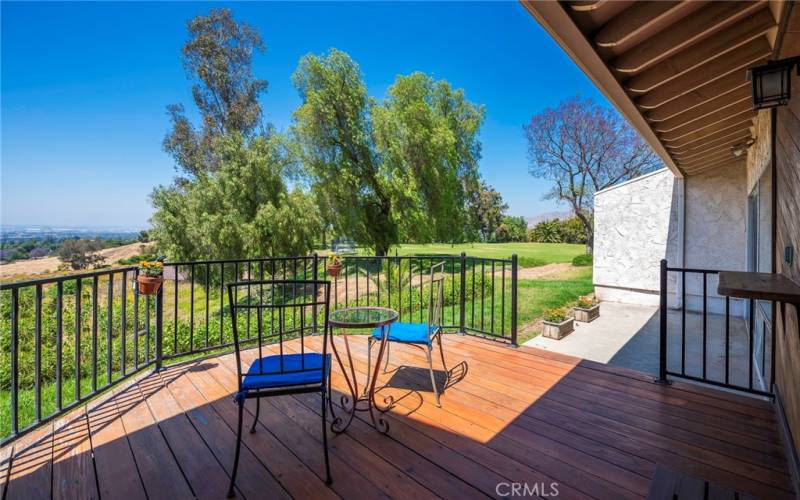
(290, 310)
(419, 335)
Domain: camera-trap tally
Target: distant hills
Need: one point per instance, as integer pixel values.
(532, 221)
(27, 232)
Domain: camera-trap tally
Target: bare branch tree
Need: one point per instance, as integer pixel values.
(582, 148)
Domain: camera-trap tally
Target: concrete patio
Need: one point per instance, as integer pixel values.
(626, 335)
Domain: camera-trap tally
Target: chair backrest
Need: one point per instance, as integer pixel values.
(436, 299)
(278, 311)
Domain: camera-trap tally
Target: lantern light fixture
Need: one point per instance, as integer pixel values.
(772, 82)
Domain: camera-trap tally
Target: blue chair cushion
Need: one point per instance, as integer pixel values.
(409, 333)
(265, 373)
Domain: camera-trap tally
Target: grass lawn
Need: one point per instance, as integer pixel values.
(530, 254)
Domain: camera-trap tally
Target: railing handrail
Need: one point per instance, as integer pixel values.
(10, 285)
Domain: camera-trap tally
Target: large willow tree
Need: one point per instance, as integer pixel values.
(398, 170)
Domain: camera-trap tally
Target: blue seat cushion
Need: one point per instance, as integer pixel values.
(409, 333)
(303, 369)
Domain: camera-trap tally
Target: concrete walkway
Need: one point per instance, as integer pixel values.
(627, 335)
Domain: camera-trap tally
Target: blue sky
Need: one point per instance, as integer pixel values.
(85, 85)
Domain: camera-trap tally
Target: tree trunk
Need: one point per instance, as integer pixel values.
(588, 228)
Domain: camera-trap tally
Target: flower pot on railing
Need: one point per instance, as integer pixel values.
(558, 330)
(586, 314)
(334, 264)
(150, 277)
(149, 285)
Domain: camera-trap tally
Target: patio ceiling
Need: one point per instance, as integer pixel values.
(675, 69)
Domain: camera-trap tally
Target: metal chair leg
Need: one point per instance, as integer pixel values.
(433, 379)
(370, 341)
(255, 421)
(231, 492)
(441, 351)
(328, 479)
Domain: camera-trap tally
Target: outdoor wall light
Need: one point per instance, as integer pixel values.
(772, 83)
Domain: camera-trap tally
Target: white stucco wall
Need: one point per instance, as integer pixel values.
(636, 225)
(642, 221)
(715, 231)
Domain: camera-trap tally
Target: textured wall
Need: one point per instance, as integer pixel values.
(715, 231)
(788, 218)
(636, 225)
(758, 156)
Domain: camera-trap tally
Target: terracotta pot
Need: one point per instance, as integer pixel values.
(333, 270)
(149, 285)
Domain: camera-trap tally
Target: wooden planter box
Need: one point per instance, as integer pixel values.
(586, 315)
(558, 331)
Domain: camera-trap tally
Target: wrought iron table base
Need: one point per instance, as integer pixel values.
(366, 400)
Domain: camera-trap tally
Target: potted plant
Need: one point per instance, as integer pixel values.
(587, 309)
(557, 324)
(334, 264)
(150, 276)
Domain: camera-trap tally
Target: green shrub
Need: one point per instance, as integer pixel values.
(586, 303)
(582, 260)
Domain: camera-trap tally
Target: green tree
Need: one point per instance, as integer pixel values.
(218, 57)
(80, 253)
(546, 231)
(242, 210)
(486, 207)
(572, 231)
(426, 137)
(511, 229)
(333, 129)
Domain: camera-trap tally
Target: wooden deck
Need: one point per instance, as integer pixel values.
(510, 416)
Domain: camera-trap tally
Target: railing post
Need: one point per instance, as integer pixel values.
(315, 271)
(463, 296)
(662, 339)
(160, 326)
(514, 300)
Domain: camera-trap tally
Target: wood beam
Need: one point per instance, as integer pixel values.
(735, 136)
(692, 29)
(710, 119)
(698, 96)
(587, 5)
(719, 157)
(640, 20)
(717, 127)
(736, 162)
(702, 152)
(698, 142)
(742, 94)
(723, 42)
(736, 62)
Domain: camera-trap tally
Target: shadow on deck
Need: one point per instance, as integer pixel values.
(553, 422)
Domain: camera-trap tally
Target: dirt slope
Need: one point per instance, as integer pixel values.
(49, 265)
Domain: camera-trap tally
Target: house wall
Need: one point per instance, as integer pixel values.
(715, 233)
(787, 348)
(636, 225)
(697, 222)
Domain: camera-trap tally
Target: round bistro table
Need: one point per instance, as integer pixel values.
(360, 318)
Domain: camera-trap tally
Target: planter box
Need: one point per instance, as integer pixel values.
(558, 331)
(586, 315)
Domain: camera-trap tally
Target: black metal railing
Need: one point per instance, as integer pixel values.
(716, 347)
(66, 339)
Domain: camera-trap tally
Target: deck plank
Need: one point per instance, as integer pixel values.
(32, 465)
(203, 472)
(73, 467)
(508, 416)
(117, 472)
(160, 472)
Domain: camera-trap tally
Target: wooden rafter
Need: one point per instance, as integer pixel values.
(700, 142)
(692, 29)
(699, 96)
(722, 114)
(718, 45)
(709, 150)
(735, 136)
(734, 121)
(637, 21)
(739, 95)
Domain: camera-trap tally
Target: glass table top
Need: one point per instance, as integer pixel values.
(362, 317)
